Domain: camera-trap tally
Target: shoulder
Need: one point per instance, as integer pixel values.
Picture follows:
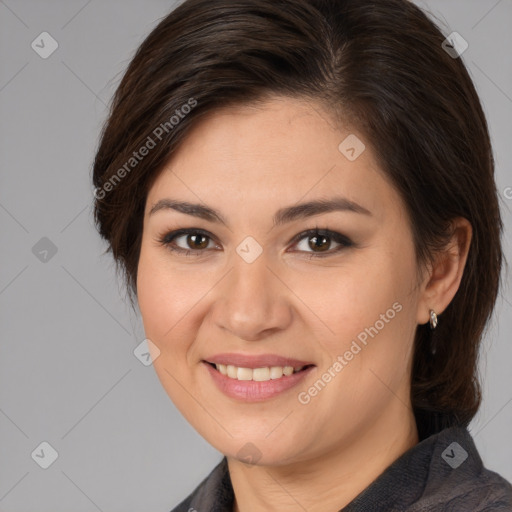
(458, 479)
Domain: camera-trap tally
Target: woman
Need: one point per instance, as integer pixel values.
(301, 196)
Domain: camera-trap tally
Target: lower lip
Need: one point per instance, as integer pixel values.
(255, 391)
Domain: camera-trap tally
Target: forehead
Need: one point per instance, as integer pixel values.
(283, 151)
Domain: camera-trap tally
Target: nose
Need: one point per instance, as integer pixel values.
(252, 301)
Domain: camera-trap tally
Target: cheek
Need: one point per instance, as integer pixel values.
(164, 294)
(151, 296)
(370, 312)
(165, 302)
(173, 303)
(351, 298)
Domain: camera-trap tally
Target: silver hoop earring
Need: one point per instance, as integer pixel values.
(433, 319)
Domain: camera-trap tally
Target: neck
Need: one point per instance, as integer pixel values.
(331, 480)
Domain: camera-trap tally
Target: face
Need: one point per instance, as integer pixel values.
(255, 281)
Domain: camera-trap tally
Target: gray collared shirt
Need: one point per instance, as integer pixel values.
(442, 473)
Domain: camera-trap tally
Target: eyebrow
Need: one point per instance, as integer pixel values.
(282, 216)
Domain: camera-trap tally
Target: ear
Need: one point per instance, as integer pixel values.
(443, 279)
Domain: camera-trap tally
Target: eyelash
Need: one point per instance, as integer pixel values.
(167, 238)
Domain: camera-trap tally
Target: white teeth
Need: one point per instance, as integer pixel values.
(276, 372)
(260, 374)
(244, 374)
(256, 374)
(288, 370)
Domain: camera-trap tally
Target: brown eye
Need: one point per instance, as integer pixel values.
(192, 241)
(320, 242)
(197, 241)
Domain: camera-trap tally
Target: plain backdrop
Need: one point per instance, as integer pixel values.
(68, 374)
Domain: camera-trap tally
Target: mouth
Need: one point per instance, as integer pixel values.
(255, 384)
(263, 374)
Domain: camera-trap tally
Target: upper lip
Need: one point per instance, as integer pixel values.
(256, 361)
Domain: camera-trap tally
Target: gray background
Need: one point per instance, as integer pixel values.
(68, 375)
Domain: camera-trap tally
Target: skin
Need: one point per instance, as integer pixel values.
(247, 163)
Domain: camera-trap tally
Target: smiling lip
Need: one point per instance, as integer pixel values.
(250, 390)
(256, 361)
(254, 391)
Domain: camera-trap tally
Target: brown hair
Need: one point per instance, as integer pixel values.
(378, 65)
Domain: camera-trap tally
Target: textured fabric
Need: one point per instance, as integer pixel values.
(442, 473)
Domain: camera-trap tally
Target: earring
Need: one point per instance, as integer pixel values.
(433, 319)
